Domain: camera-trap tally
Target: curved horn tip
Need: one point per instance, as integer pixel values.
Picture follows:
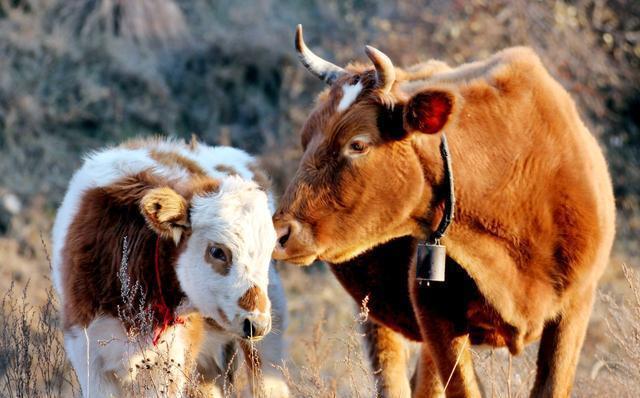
(385, 71)
(370, 50)
(299, 42)
(376, 55)
(321, 68)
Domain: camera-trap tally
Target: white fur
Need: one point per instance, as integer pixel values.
(211, 157)
(99, 169)
(112, 357)
(238, 216)
(271, 349)
(349, 95)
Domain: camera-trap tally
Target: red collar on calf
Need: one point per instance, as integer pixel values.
(164, 314)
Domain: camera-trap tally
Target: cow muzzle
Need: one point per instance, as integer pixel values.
(255, 327)
(295, 242)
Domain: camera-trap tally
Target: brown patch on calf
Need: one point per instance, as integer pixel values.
(213, 324)
(201, 185)
(93, 252)
(228, 170)
(173, 159)
(93, 249)
(260, 177)
(254, 299)
(223, 315)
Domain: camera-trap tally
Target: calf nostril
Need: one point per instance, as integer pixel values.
(248, 328)
(284, 235)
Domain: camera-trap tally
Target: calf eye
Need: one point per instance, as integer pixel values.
(218, 254)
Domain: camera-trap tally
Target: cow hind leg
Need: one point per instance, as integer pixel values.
(560, 347)
(388, 355)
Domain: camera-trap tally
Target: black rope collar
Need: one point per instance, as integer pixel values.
(430, 255)
(450, 197)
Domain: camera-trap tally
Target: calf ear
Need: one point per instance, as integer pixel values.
(428, 111)
(166, 212)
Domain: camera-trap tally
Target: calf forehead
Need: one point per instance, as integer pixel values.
(237, 215)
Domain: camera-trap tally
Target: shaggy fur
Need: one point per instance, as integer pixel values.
(533, 227)
(165, 193)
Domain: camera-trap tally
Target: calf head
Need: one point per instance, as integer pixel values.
(371, 163)
(226, 238)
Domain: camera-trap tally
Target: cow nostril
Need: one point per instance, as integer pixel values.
(248, 328)
(284, 237)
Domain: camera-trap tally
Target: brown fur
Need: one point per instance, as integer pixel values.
(173, 159)
(260, 177)
(164, 209)
(227, 170)
(93, 251)
(388, 355)
(254, 299)
(534, 220)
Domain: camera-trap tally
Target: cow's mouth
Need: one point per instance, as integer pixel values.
(334, 256)
(342, 255)
(304, 259)
(216, 326)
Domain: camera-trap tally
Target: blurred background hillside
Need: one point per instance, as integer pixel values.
(76, 75)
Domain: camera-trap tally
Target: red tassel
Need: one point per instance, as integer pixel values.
(167, 318)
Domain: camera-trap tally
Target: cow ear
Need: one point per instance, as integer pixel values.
(428, 111)
(166, 212)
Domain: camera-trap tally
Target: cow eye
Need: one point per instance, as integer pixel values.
(218, 254)
(358, 145)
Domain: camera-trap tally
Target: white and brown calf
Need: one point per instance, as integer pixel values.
(188, 227)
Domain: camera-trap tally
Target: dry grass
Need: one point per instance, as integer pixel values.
(326, 357)
(32, 357)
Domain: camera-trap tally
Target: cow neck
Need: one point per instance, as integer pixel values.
(449, 197)
(430, 255)
(165, 315)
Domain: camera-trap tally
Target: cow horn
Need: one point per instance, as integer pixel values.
(325, 70)
(385, 72)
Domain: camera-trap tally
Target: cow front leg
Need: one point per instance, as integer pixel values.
(560, 347)
(451, 355)
(448, 347)
(427, 380)
(389, 358)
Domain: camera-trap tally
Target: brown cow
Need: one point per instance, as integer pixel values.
(533, 226)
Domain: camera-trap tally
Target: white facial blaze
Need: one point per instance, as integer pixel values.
(237, 216)
(349, 95)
